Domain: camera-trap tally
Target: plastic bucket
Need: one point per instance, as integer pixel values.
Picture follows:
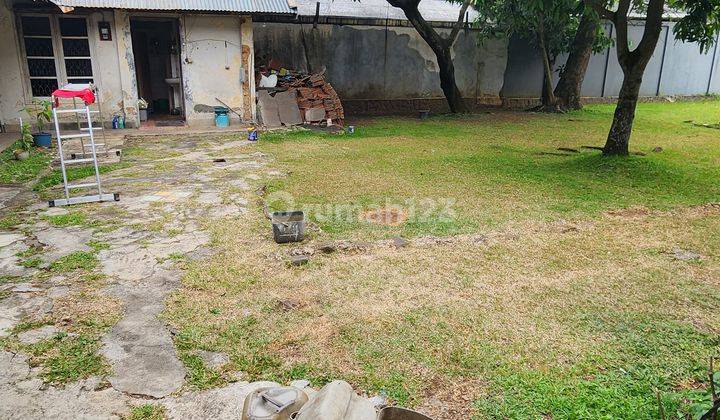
(222, 120)
(221, 116)
(42, 139)
(288, 226)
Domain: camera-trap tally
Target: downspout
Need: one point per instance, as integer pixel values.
(662, 60)
(607, 62)
(712, 64)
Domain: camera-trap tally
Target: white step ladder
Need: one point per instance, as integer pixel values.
(97, 193)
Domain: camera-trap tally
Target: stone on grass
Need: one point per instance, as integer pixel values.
(298, 260)
(212, 359)
(399, 242)
(327, 247)
(685, 255)
(37, 335)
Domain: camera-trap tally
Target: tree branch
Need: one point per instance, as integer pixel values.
(459, 23)
(653, 26)
(601, 10)
(621, 23)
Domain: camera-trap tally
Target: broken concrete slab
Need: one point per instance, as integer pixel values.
(55, 211)
(315, 114)
(37, 335)
(25, 288)
(9, 317)
(288, 108)
(267, 108)
(9, 238)
(139, 347)
(63, 241)
(222, 403)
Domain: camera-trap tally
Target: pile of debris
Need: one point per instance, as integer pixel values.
(288, 97)
(317, 99)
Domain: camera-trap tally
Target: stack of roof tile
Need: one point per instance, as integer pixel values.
(314, 92)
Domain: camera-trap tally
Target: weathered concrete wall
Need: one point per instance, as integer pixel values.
(217, 61)
(676, 68)
(212, 64)
(12, 83)
(14, 86)
(370, 62)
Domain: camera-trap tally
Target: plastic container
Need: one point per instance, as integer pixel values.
(221, 116)
(42, 139)
(288, 226)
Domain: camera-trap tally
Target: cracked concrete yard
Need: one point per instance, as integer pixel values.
(104, 271)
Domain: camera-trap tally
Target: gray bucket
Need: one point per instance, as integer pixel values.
(288, 226)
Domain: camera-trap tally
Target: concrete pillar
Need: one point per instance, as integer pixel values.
(126, 68)
(248, 65)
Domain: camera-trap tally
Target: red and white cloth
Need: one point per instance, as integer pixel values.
(74, 90)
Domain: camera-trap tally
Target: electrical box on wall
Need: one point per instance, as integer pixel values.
(105, 34)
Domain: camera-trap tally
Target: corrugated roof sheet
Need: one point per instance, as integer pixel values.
(244, 6)
(431, 10)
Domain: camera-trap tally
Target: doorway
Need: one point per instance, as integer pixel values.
(156, 47)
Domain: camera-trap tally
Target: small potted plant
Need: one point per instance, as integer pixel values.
(41, 110)
(25, 142)
(143, 107)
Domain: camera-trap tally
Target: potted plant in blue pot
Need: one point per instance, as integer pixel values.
(41, 110)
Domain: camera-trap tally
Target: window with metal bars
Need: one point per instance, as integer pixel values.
(57, 51)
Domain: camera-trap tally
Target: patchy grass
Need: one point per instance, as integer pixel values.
(78, 260)
(70, 219)
(74, 174)
(147, 412)
(15, 171)
(487, 170)
(201, 376)
(66, 359)
(573, 306)
(9, 221)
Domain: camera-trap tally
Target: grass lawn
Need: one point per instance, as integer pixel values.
(573, 307)
(15, 171)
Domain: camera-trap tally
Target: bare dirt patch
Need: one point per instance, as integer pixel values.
(385, 216)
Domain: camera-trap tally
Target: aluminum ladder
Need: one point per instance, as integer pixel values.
(97, 195)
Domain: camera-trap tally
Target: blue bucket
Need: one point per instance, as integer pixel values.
(221, 116)
(42, 140)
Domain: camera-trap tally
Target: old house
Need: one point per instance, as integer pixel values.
(181, 56)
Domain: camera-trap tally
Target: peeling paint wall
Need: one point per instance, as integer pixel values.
(212, 65)
(217, 61)
(12, 82)
(371, 62)
(125, 70)
(14, 86)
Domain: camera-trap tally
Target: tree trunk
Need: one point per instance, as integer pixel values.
(447, 81)
(548, 102)
(569, 86)
(633, 65)
(548, 97)
(442, 49)
(618, 140)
